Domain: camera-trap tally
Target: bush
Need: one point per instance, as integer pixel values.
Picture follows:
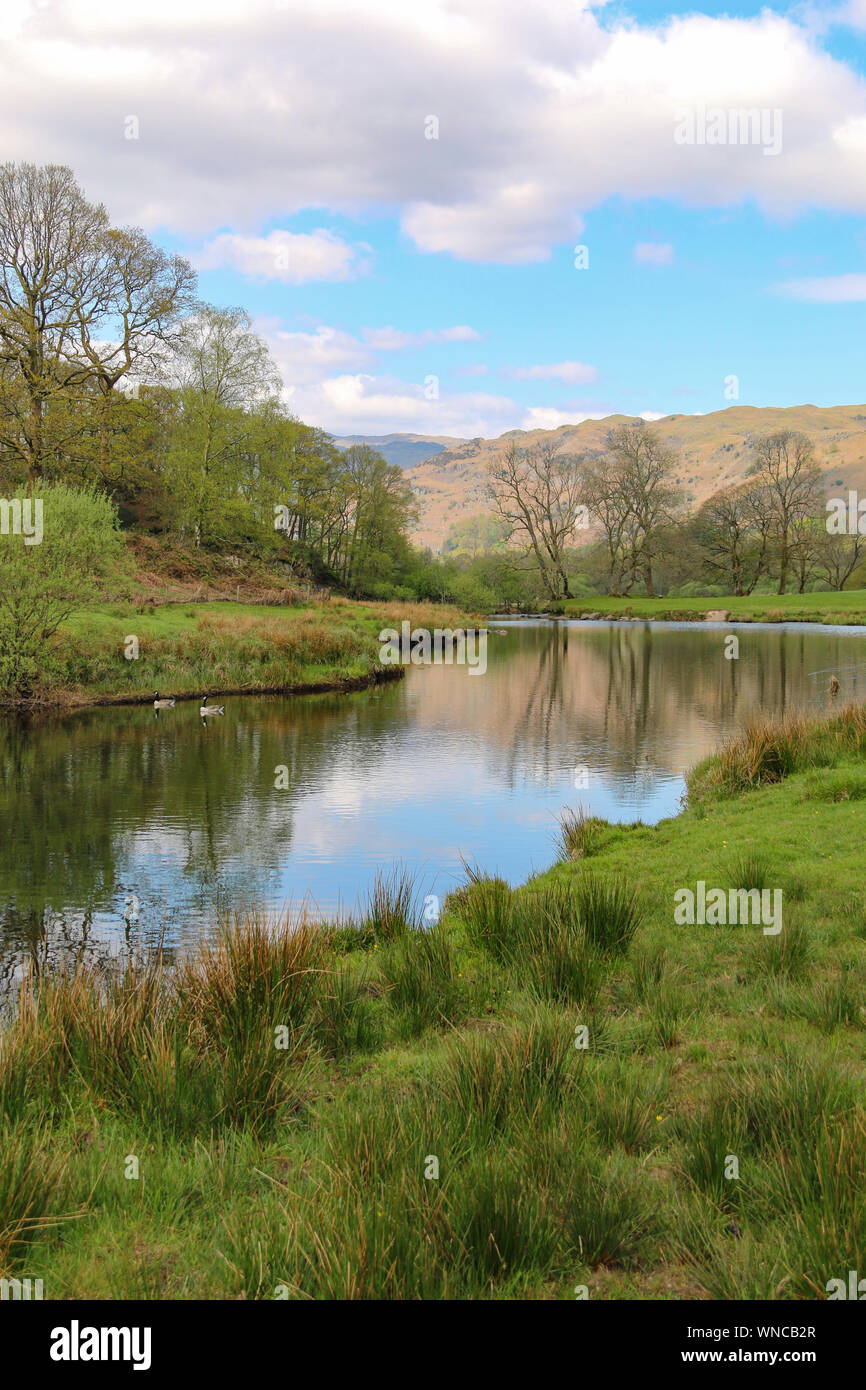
(80, 551)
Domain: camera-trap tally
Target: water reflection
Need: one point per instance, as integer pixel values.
(119, 827)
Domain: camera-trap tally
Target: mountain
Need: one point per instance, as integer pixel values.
(403, 449)
(714, 450)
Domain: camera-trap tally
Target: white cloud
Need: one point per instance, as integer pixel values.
(574, 372)
(826, 289)
(517, 224)
(651, 415)
(394, 339)
(251, 110)
(541, 417)
(653, 253)
(361, 403)
(292, 257)
(310, 358)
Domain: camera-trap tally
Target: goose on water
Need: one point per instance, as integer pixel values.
(162, 704)
(205, 709)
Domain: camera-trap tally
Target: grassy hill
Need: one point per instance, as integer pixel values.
(714, 450)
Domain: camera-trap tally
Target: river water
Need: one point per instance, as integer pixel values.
(121, 826)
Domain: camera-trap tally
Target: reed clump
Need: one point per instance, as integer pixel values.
(773, 748)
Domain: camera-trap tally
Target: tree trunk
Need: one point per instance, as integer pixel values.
(35, 441)
(104, 437)
(783, 565)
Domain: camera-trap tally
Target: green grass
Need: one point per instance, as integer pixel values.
(185, 649)
(837, 608)
(553, 1086)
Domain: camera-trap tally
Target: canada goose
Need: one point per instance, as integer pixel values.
(162, 704)
(206, 709)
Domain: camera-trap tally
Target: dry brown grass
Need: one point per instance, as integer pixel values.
(771, 749)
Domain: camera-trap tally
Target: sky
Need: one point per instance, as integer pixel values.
(471, 217)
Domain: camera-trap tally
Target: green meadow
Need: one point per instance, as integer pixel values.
(848, 606)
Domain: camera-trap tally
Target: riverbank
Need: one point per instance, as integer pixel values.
(122, 653)
(848, 607)
(371, 1111)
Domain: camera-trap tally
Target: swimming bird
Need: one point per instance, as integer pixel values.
(205, 709)
(162, 704)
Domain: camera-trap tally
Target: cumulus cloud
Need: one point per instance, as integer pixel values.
(826, 289)
(363, 403)
(575, 372)
(291, 257)
(252, 110)
(653, 253)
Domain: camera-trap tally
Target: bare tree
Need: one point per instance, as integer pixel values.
(539, 493)
(785, 464)
(837, 557)
(609, 505)
(805, 547)
(733, 530)
(643, 463)
(52, 279)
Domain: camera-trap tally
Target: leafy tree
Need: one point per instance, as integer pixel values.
(223, 374)
(52, 280)
(146, 293)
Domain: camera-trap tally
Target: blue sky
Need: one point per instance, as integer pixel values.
(430, 285)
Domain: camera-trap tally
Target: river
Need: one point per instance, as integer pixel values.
(120, 825)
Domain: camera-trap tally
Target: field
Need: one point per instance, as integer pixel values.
(552, 1092)
(849, 606)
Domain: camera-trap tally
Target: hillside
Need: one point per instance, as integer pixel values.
(403, 449)
(714, 449)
